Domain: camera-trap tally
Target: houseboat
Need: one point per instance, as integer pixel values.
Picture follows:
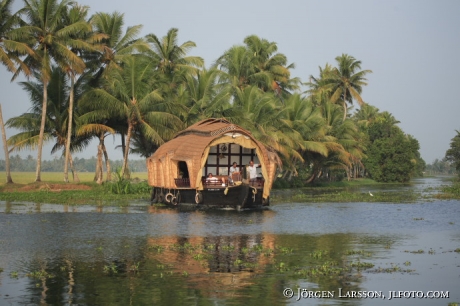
(180, 170)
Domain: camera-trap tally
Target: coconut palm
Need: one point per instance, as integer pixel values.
(272, 64)
(237, 69)
(52, 40)
(85, 44)
(170, 56)
(346, 81)
(11, 48)
(12, 39)
(205, 98)
(129, 94)
(116, 44)
(302, 117)
(57, 117)
(258, 64)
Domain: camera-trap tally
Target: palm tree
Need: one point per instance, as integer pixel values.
(346, 81)
(257, 64)
(302, 117)
(10, 50)
(52, 39)
(116, 44)
(83, 42)
(205, 98)
(171, 57)
(273, 65)
(9, 180)
(57, 117)
(128, 94)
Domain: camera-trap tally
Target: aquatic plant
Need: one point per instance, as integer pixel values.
(39, 274)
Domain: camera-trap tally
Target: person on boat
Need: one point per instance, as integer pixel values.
(211, 178)
(253, 170)
(233, 169)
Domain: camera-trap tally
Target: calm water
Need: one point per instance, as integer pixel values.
(141, 255)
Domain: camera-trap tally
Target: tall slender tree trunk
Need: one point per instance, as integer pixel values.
(124, 169)
(9, 180)
(106, 158)
(69, 129)
(42, 131)
(345, 108)
(123, 144)
(75, 177)
(99, 171)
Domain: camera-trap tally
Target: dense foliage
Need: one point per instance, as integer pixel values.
(453, 153)
(104, 80)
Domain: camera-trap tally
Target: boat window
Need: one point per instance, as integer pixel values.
(183, 169)
(222, 156)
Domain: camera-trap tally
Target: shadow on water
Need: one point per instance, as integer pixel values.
(144, 255)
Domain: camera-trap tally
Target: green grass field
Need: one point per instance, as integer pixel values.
(29, 177)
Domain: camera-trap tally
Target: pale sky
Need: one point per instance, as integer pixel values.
(412, 47)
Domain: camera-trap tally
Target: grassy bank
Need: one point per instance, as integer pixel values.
(53, 190)
(29, 177)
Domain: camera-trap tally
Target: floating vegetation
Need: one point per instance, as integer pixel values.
(358, 252)
(39, 274)
(457, 250)
(319, 254)
(14, 274)
(112, 268)
(362, 265)
(392, 269)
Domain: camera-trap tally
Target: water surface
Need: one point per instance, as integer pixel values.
(143, 255)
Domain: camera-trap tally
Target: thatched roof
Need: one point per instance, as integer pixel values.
(192, 146)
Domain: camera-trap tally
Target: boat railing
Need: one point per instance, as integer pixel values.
(182, 182)
(212, 183)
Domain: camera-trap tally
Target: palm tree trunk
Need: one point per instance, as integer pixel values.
(75, 177)
(107, 162)
(345, 109)
(124, 169)
(69, 129)
(99, 171)
(42, 131)
(9, 180)
(123, 144)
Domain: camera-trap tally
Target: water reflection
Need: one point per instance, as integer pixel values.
(142, 255)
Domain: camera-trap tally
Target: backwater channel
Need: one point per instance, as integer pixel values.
(320, 253)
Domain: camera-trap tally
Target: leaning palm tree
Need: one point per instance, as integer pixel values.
(129, 94)
(11, 47)
(346, 81)
(52, 39)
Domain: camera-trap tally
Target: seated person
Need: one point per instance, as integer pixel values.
(211, 178)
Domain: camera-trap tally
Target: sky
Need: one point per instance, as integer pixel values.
(411, 46)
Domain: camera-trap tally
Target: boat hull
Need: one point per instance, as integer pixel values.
(238, 197)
